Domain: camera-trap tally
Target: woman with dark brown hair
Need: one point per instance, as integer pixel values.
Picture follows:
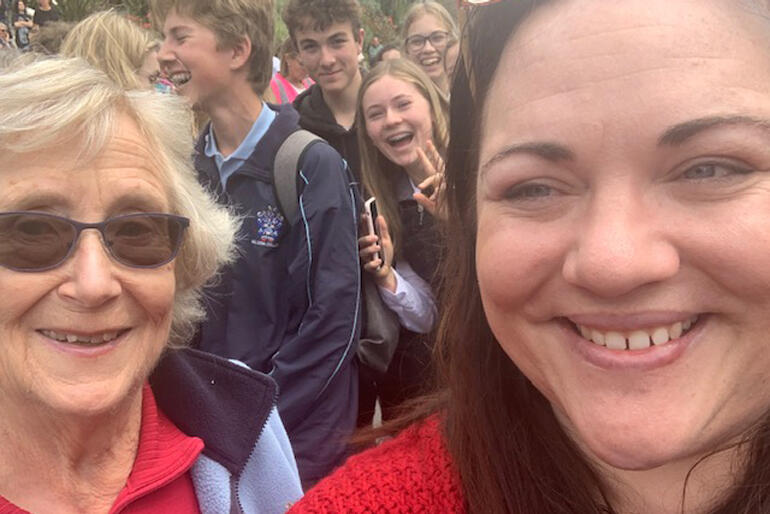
(604, 343)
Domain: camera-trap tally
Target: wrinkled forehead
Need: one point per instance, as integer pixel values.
(122, 146)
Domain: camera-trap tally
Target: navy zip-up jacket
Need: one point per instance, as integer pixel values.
(290, 305)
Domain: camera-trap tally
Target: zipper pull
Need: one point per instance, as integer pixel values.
(421, 210)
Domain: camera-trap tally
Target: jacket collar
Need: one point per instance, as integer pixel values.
(223, 403)
(260, 162)
(317, 117)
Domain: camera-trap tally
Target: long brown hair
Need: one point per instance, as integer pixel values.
(378, 174)
(510, 451)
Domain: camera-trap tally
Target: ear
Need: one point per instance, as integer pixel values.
(241, 51)
(360, 41)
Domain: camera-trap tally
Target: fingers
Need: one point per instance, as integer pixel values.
(433, 180)
(382, 226)
(369, 250)
(370, 255)
(425, 162)
(373, 266)
(435, 158)
(428, 203)
(366, 241)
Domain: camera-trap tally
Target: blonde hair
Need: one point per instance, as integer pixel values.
(378, 174)
(111, 43)
(54, 103)
(231, 21)
(419, 9)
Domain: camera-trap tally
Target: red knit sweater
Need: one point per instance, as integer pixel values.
(410, 473)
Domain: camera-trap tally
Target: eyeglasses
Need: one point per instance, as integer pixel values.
(437, 38)
(37, 241)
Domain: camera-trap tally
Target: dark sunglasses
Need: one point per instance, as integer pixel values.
(37, 241)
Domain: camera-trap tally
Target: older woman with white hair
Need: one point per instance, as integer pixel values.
(106, 239)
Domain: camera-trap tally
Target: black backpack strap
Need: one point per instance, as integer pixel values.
(285, 169)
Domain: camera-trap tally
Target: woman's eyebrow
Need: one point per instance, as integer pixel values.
(682, 132)
(140, 202)
(37, 200)
(547, 150)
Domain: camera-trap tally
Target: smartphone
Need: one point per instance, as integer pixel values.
(370, 208)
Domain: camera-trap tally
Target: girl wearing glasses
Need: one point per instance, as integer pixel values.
(405, 133)
(604, 345)
(427, 28)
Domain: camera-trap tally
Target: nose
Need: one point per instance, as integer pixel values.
(327, 56)
(392, 117)
(165, 56)
(623, 245)
(91, 280)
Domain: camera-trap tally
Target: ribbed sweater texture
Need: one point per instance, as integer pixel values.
(412, 473)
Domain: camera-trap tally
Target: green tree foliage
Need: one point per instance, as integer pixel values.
(136, 8)
(377, 23)
(380, 17)
(76, 10)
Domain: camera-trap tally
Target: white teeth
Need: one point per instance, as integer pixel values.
(615, 341)
(660, 336)
(637, 339)
(181, 77)
(72, 338)
(399, 138)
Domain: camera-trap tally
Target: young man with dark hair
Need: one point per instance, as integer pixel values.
(329, 38)
(289, 304)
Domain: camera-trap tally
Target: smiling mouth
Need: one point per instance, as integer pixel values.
(637, 339)
(82, 340)
(431, 61)
(180, 78)
(400, 140)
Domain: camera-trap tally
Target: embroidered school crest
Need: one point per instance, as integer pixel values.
(269, 224)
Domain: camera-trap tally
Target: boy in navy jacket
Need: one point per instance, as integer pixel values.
(289, 305)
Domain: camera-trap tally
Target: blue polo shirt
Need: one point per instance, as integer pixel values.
(228, 165)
